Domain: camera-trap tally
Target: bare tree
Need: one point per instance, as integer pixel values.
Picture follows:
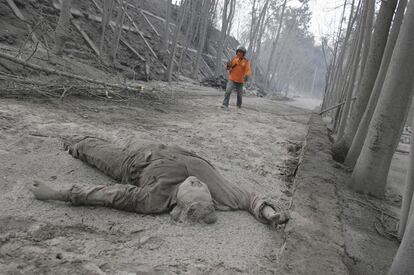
(409, 190)
(167, 27)
(106, 18)
(118, 30)
(274, 44)
(178, 27)
(204, 22)
(379, 40)
(190, 27)
(256, 36)
(361, 133)
(339, 54)
(363, 37)
(372, 167)
(226, 18)
(62, 28)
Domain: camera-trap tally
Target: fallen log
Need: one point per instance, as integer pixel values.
(85, 36)
(129, 46)
(19, 15)
(66, 74)
(78, 13)
(140, 34)
(123, 40)
(149, 23)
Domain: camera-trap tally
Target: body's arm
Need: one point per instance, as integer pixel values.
(228, 196)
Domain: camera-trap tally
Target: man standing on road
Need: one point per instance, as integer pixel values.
(239, 72)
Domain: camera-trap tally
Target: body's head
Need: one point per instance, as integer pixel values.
(194, 202)
(241, 52)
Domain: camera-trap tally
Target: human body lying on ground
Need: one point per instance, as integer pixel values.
(156, 178)
(239, 72)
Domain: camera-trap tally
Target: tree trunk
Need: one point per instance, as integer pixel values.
(379, 40)
(354, 61)
(187, 35)
(361, 133)
(255, 51)
(367, 40)
(337, 64)
(403, 263)
(174, 44)
(119, 24)
(409, 189)
(204, 23)
(167, 27)
(274, 44)
(252, 28)
(106, 18)
(224, 25)
(62, 28)
(371, 170)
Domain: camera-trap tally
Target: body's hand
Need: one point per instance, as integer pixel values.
(246, 78)
(275, 218)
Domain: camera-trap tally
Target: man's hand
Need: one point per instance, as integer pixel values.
(246, 78)
(228, 65)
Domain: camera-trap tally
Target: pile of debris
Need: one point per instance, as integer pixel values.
(215, 82)
(279, 97)
(255, 92)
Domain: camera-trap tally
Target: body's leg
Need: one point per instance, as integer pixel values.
(105, 156)
(119, 196)
(227, 94)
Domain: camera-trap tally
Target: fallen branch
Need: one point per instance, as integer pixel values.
(85, 36)
(374, 207)
(19, 15)
(335, 106)
(62, 73)
(149, 23)
(140, 33)
(34, 51)
(27, 37)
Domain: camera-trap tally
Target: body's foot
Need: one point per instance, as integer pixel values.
(224, 107)
(69, 140)
(43, 192)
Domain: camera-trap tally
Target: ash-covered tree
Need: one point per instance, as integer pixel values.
(371, 170)
(369, 75)
(62, 28)
(226, 19)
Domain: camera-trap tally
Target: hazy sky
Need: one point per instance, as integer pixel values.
(326, 15)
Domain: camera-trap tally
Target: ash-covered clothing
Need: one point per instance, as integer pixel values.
(233, 86)
(150, 177)
(238, 68)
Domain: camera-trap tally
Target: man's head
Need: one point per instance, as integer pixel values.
(241, 51)
(194, 202)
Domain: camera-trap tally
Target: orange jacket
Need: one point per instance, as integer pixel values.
(238, 68)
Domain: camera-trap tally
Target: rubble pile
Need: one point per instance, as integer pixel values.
(215, 82)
